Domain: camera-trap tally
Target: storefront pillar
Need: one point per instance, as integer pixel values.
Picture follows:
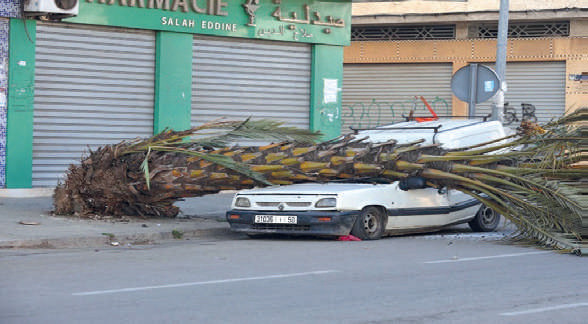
(173, 81)
(326, 84)
(21, 85)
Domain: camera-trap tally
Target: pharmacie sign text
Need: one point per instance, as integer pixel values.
(209, 7)
(308, 21)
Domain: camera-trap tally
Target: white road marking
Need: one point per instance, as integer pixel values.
(545, 309)
(489, 257)
(199, 283)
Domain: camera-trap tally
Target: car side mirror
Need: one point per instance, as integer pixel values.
(412, 183)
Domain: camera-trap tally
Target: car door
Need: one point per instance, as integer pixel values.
(419, 208)
(462, 206)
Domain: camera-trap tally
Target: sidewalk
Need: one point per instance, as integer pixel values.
(28, 223)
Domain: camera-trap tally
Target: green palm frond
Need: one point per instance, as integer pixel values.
(219, 134)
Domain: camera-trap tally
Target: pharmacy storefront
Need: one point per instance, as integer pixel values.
(131, 68)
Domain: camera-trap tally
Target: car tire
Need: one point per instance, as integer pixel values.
(486, 220)
(370, 224)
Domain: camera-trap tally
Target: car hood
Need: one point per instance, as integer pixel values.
(309, 189)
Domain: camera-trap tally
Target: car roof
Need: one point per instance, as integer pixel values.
(406, 132)
(442, 124)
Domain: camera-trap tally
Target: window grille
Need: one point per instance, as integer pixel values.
(388, 33)
(523, 30)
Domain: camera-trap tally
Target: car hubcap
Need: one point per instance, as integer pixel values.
(488, 216)
(370, 223)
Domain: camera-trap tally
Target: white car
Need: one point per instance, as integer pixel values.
(371, 210)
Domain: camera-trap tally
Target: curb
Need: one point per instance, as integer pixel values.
(48, 192)
(118, 240)
(26, 193)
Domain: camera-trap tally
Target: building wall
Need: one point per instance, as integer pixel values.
(459, 12)
(327, 43)
(3, 101)
(572, 50)
(579, 28)
(8, 9)
(416, 7)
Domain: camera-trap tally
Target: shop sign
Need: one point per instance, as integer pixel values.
(310, 21)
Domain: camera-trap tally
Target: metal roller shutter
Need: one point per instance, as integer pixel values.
(238, 78)
(376, 94)
(539, 83)
(93, 86)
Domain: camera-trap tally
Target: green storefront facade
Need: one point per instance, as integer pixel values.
(201, 59)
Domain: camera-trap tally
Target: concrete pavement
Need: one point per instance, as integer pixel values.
(26, 222)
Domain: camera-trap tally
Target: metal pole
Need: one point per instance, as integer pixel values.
(473, 89)
(498, 107)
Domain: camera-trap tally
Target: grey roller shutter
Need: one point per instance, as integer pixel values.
(541, 84)
(238, 78)
(376, 94)
(93, 86)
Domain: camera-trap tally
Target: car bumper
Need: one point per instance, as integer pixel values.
(309, 223)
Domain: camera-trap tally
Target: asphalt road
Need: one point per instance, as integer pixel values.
(415, 279)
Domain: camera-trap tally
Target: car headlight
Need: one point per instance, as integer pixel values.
(326, 202)
(242, 202)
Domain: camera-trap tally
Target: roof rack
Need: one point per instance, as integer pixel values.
(411, 118)
(434, 128)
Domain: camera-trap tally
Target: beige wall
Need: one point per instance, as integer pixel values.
(425, 11)
(461, 51)
(572, 50)
(444, 7)
(579, 27)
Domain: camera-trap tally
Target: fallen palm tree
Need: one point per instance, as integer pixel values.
(536, 179)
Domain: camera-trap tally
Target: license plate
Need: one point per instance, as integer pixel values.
(276, 219)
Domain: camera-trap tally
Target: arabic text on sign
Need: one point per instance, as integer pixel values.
(330, 21)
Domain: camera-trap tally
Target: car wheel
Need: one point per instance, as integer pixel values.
(370, 224)
(486, 220)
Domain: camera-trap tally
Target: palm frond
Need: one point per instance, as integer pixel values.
(221, 133)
